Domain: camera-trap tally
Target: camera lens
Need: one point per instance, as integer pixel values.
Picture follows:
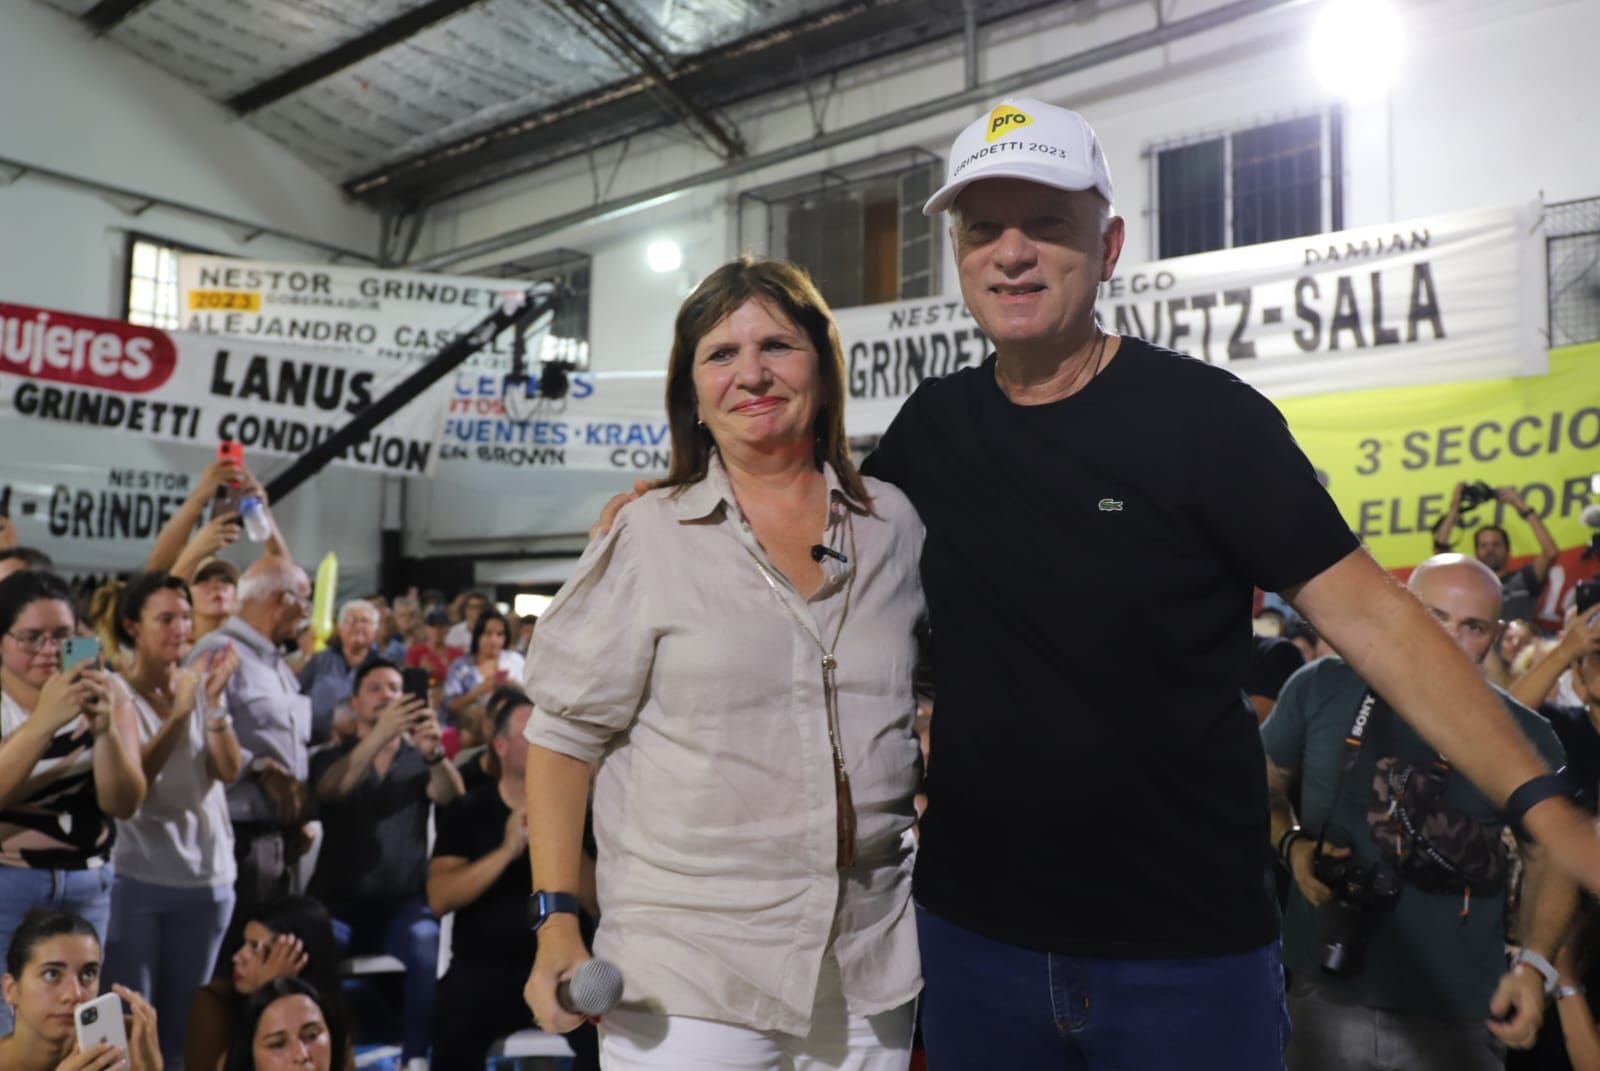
(90, 1016)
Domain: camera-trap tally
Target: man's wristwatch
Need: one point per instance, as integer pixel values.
(541, 905)
(1552, 980)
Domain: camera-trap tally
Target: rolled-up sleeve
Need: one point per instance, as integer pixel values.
(590, 658)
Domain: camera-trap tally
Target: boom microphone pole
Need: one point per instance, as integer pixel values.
(532, 304)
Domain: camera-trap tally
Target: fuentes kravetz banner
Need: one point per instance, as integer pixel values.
(339, 308)
(178, 387)
(611, 421)
(1447, 298)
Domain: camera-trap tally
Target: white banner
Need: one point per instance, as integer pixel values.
(344, 309)
(92, 519)
(614, 421)
(176, 387)
(1448, 298)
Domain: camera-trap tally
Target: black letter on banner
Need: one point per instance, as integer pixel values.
(858, 374)
(1478, 453)
(1416, 447)
(1514, 439)
(1424, 303)
(1309, 338)
(220, 385)
(1381, 335)
(1239, 348)
(1346, 316)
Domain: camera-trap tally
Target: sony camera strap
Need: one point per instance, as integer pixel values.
(1371, 714)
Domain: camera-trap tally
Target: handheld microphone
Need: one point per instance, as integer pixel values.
(818, 552)
(594, 988)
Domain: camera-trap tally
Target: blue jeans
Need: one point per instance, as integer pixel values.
(86, 893)
(407, 931)
(163, 942)
(1002, 1008)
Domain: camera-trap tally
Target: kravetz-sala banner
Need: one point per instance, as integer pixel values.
(1442, 299)
(80, 370)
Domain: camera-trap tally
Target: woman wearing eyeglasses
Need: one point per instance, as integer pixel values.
(69, 763)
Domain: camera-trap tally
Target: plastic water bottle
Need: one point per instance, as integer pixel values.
(257, 525)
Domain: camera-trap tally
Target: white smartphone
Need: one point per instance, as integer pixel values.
(100, 1022)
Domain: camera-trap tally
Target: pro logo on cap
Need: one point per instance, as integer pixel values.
(1005, 119)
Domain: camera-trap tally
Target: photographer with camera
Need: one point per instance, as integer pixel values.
(1395, 929)
(1491, 545)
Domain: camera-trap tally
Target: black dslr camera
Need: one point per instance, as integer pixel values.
(1474, 495)
(1359, 889)
(1587, 592)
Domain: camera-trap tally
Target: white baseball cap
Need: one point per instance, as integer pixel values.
(1027, 139)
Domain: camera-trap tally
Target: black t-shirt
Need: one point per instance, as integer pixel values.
(493, 930)
(375, 845)
(1097, 780)
(1272, 661)
(1519, 594)
(1582, 744)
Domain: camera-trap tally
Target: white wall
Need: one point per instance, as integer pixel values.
(86, 107)
(83, 106)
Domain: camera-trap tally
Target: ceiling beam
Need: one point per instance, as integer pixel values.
(646, 57)
(104, 16)
(346, 55)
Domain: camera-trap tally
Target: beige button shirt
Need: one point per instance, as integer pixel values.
(669, 659)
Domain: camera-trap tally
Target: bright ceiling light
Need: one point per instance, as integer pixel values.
(1356, 46)
(664, 255)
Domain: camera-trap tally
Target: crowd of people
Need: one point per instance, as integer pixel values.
(718, 742)
(210, 815)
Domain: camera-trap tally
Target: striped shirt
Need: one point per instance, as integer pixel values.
(54, 822)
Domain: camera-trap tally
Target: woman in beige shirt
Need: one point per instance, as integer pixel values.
(736, 654)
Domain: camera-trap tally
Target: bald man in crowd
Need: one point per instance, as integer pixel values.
(1423, 981)
(273, 722)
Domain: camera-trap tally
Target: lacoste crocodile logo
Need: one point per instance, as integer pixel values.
(1110, 505)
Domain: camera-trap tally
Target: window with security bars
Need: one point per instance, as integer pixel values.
(1261, 184)
(152, 297)
(858, 230)
(1572, 264)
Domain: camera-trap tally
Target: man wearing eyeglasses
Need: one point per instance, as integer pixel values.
(273, 722)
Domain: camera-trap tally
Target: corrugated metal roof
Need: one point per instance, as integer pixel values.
(405, 110)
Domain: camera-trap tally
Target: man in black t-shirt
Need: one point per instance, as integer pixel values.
(1273, 661)
(480, 872)
(375, 792)
(1089, 882)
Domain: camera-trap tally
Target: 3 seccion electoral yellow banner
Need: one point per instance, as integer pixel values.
(1392, 457)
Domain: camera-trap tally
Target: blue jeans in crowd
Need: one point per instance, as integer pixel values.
(1002, 1008)
(406, 930)
(83, 892)
(163, 942)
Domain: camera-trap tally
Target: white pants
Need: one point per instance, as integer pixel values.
(839, 1040)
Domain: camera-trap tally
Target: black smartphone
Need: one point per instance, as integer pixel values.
(414, 682)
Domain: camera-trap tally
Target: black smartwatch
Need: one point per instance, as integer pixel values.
(541, 905)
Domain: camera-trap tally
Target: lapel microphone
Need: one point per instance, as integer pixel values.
(818, 552)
